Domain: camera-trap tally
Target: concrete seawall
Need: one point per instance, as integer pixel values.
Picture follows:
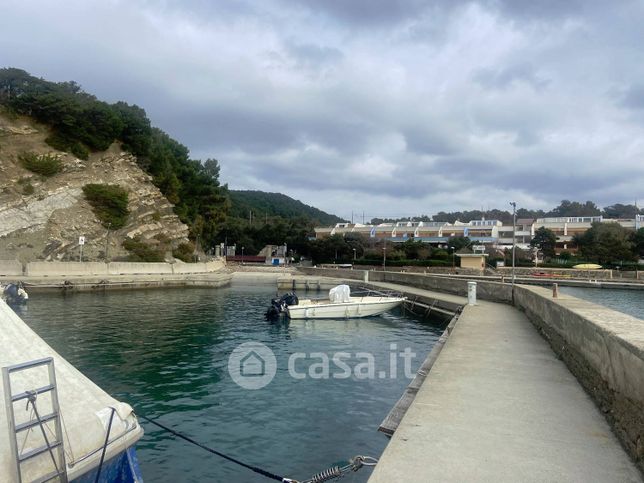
(88, 276)
(603, 348)
(90, 269)
(492, 291)
(10, 267)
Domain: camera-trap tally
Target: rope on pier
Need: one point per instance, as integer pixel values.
(329, 474)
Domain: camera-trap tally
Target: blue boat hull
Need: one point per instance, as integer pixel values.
(123, 468)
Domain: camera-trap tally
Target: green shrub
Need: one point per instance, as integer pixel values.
(156, 216)
(403, 263)
(141, 251)
(62, 142)
(440, 254)
(58, 141)
(44, 164)
(184, 252)
(28, 189)
(80, 151)
(109, 203)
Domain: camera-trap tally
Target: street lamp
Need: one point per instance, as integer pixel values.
(514, 237)
(354, 254)
(242, 255)
(384, 255)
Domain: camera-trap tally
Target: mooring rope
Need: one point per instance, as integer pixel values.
(256, 469)
(332, 473)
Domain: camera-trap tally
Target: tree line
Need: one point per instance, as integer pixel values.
(565, 209)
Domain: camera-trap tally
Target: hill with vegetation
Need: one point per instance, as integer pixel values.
(75, 127)
(264, 205)
(80, 125)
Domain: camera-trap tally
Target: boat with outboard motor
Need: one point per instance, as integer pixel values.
(339, 305)
(14, 293)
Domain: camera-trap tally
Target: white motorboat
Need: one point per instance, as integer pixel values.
(341, 305)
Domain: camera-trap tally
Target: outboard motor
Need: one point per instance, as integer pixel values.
(279, 304)
(15, 294)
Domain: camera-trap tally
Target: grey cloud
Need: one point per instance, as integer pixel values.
(504, 77)
(313, 54)
(364, 12)
(541, 9)
(633, 98)
(425, 141)
(401, 103)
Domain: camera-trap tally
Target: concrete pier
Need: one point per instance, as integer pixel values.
(498, 405)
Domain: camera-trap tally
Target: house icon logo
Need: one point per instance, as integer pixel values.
(252, 365)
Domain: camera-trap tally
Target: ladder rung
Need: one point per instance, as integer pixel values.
(38, 451)
(25, 395)
(49, 477)
(30, 364)
(35, 422)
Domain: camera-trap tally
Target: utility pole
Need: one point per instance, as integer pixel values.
(514, 238)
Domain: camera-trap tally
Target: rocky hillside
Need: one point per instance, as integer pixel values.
(41, 218)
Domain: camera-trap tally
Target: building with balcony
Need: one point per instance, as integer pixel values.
(482, 232)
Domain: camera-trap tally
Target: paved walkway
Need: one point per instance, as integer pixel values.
(498, 406)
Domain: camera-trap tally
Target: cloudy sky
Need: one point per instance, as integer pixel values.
(392, 107)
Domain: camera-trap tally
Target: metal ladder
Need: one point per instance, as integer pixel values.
(51, 449)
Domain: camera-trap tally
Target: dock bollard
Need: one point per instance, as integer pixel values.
(555, 290)
(471, 293)
(366, 276)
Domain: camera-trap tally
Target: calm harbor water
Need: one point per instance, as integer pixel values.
(165, 352)
(628, 301)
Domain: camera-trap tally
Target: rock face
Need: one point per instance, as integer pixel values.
(43, 218)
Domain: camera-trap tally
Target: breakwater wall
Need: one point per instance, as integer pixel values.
(100, 269)
(557, 272)
(603, 348)
(493, 291)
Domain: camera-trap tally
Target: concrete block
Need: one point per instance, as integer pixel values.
(55, 269)
(132, 268)
(10, 267)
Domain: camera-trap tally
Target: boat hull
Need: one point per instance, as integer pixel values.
(122, 468)
(344, 310)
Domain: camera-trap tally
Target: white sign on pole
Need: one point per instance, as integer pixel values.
(81, 240)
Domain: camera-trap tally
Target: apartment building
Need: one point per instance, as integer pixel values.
(482, 232)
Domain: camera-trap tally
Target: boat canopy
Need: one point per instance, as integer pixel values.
(85, 407)
(340, 294)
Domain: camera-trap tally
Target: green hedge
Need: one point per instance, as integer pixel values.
(109, 203)
(404, 263)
